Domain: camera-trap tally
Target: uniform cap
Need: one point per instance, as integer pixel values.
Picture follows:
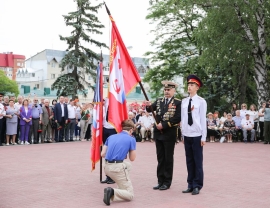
(194, 79)
(169, 84)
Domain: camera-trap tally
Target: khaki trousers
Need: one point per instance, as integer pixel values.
(119, 172)
(83, 125)
(143, 130)
(46, 131)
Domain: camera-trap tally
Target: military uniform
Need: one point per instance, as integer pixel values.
(169, 115)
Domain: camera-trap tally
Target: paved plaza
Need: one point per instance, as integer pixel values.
(59, 175)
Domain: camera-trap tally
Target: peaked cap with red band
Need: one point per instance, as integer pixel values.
(194, 79)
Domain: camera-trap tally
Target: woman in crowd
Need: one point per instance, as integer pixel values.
(88, 134)
(254, 115)
(243, 111)
(229, 128)
(53, 124)
(25, 121)
(211, 127)
(261, 121)
(216, 117)
(79, 116)
(12, 122)
(85, 113)
(221, 121)
(234, 109)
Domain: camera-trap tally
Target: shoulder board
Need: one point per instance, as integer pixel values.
(177, 99)
(160, 98)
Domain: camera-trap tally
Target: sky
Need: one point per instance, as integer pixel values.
(27, 27)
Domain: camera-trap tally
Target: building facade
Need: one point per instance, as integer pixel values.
(42, 69)
(10, 63)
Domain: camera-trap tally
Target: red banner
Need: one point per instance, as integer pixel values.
(123, 78)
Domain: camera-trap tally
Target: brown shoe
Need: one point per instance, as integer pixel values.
(143, 140)
(151, 140)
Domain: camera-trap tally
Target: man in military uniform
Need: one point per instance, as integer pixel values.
(193, 120)
(168, 116)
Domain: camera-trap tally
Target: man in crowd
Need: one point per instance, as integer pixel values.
(108, 130)
(4, 124)
(66, 100)
(266, 111)
(168, 111)
(238, 124)
(147, 125)
(2, 114)
(248, 125)
(115, 150)
(47, 115)
(42, 102)
(61, 118)
(36, 121)
(18, 105)
(193, 121)
(73, 120)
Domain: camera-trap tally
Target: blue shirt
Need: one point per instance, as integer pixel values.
(119, 145)
(237, 121)
(36, 111)
(267, 114)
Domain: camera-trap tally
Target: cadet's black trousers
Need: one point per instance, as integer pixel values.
(194, 161)
(165, 152)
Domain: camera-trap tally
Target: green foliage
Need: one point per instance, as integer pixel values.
(8, 86)
(79, 61)
(205, 38)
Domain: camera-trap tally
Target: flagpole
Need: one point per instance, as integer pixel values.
(145, 95)
(100, 166)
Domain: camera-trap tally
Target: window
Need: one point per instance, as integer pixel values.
(89, 77)
(33, 74)
(52, 76)
(52, 64)
(37, 86)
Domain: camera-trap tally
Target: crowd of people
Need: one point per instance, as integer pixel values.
(27, 121)
(244, 124)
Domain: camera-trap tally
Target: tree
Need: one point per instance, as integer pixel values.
(8, 86)
(175, 23)
(79, 61)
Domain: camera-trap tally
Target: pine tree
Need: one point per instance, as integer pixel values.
(79, 60)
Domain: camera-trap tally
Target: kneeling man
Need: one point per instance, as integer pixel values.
(115, 150)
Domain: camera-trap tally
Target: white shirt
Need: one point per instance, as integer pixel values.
(2, 110)
(17, 105)
(247, 124)
(253, 115)
(71, 111)
(198, 112)
(105, 123)
(261, 118)
(243, 113)
(62, 107)
(146, 121)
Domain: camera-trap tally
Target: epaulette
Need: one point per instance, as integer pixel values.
(177, 99)
(160, 98)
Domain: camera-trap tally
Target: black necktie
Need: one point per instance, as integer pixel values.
(166, 101)
(190, 121)
(107, 114)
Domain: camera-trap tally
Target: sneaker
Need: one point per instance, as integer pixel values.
(22, 143)
(27, 143)
(143, 140)
(14, 143)
(7, 144)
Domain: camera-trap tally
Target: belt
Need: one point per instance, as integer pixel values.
(114, 161)
(35, 118)
(72, 118)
